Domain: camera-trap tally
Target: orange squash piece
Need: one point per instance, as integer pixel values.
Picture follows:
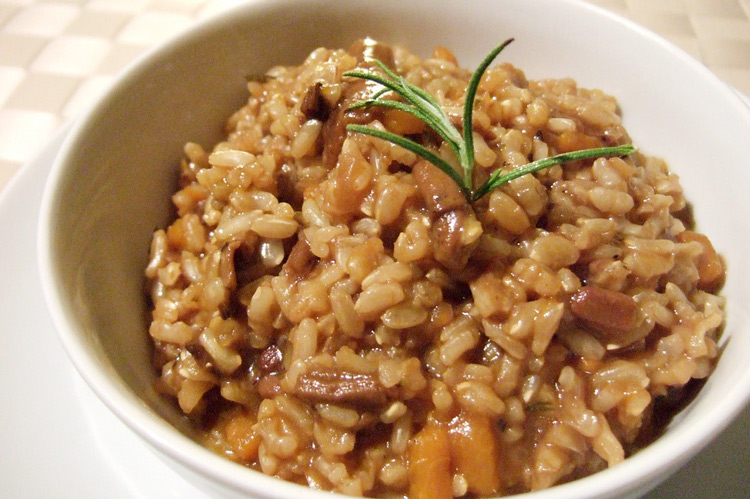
(475, 453)
(710, 265)
(242, 438)
(430, 474)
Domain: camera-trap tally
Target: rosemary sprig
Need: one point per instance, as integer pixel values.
(426, 108)
(471, 93)
(498, 178)
(540, 406)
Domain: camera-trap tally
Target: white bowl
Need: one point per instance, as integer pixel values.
(110, 187)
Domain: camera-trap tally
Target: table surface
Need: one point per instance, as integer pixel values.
(57, 56)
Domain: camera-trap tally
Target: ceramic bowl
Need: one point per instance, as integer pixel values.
(111, 184)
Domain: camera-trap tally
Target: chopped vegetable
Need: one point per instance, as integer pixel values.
(241, 437)
(430, 464)
(540, 406)
(474, 451)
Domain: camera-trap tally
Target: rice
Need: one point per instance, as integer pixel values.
(320, 322)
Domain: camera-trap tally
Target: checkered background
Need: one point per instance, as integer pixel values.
(56, 56)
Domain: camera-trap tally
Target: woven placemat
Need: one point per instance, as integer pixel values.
(56, 56)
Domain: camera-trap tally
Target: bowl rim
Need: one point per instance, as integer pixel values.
(645, 465)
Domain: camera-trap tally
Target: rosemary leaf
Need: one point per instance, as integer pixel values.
(385, 69)
(421, 99)
(471, 93)
(394, 104)
(425, 107)
(540, 406)
(412, 146)
(376, 78)
(372, 100)
(259, 77)
(497, 179)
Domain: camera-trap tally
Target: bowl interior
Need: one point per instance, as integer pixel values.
(111, 185)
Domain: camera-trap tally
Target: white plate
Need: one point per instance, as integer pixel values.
(57, 439)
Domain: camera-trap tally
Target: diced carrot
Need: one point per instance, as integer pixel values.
(576, 141)
(710, 265)
(242, 438)
(430, 464)
(475, 453)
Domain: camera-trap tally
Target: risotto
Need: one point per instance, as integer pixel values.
(328, 309)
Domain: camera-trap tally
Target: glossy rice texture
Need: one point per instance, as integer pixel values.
(328, 309)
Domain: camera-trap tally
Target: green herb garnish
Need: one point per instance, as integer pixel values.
(422, 105)
(540, 406)
(259, 77)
